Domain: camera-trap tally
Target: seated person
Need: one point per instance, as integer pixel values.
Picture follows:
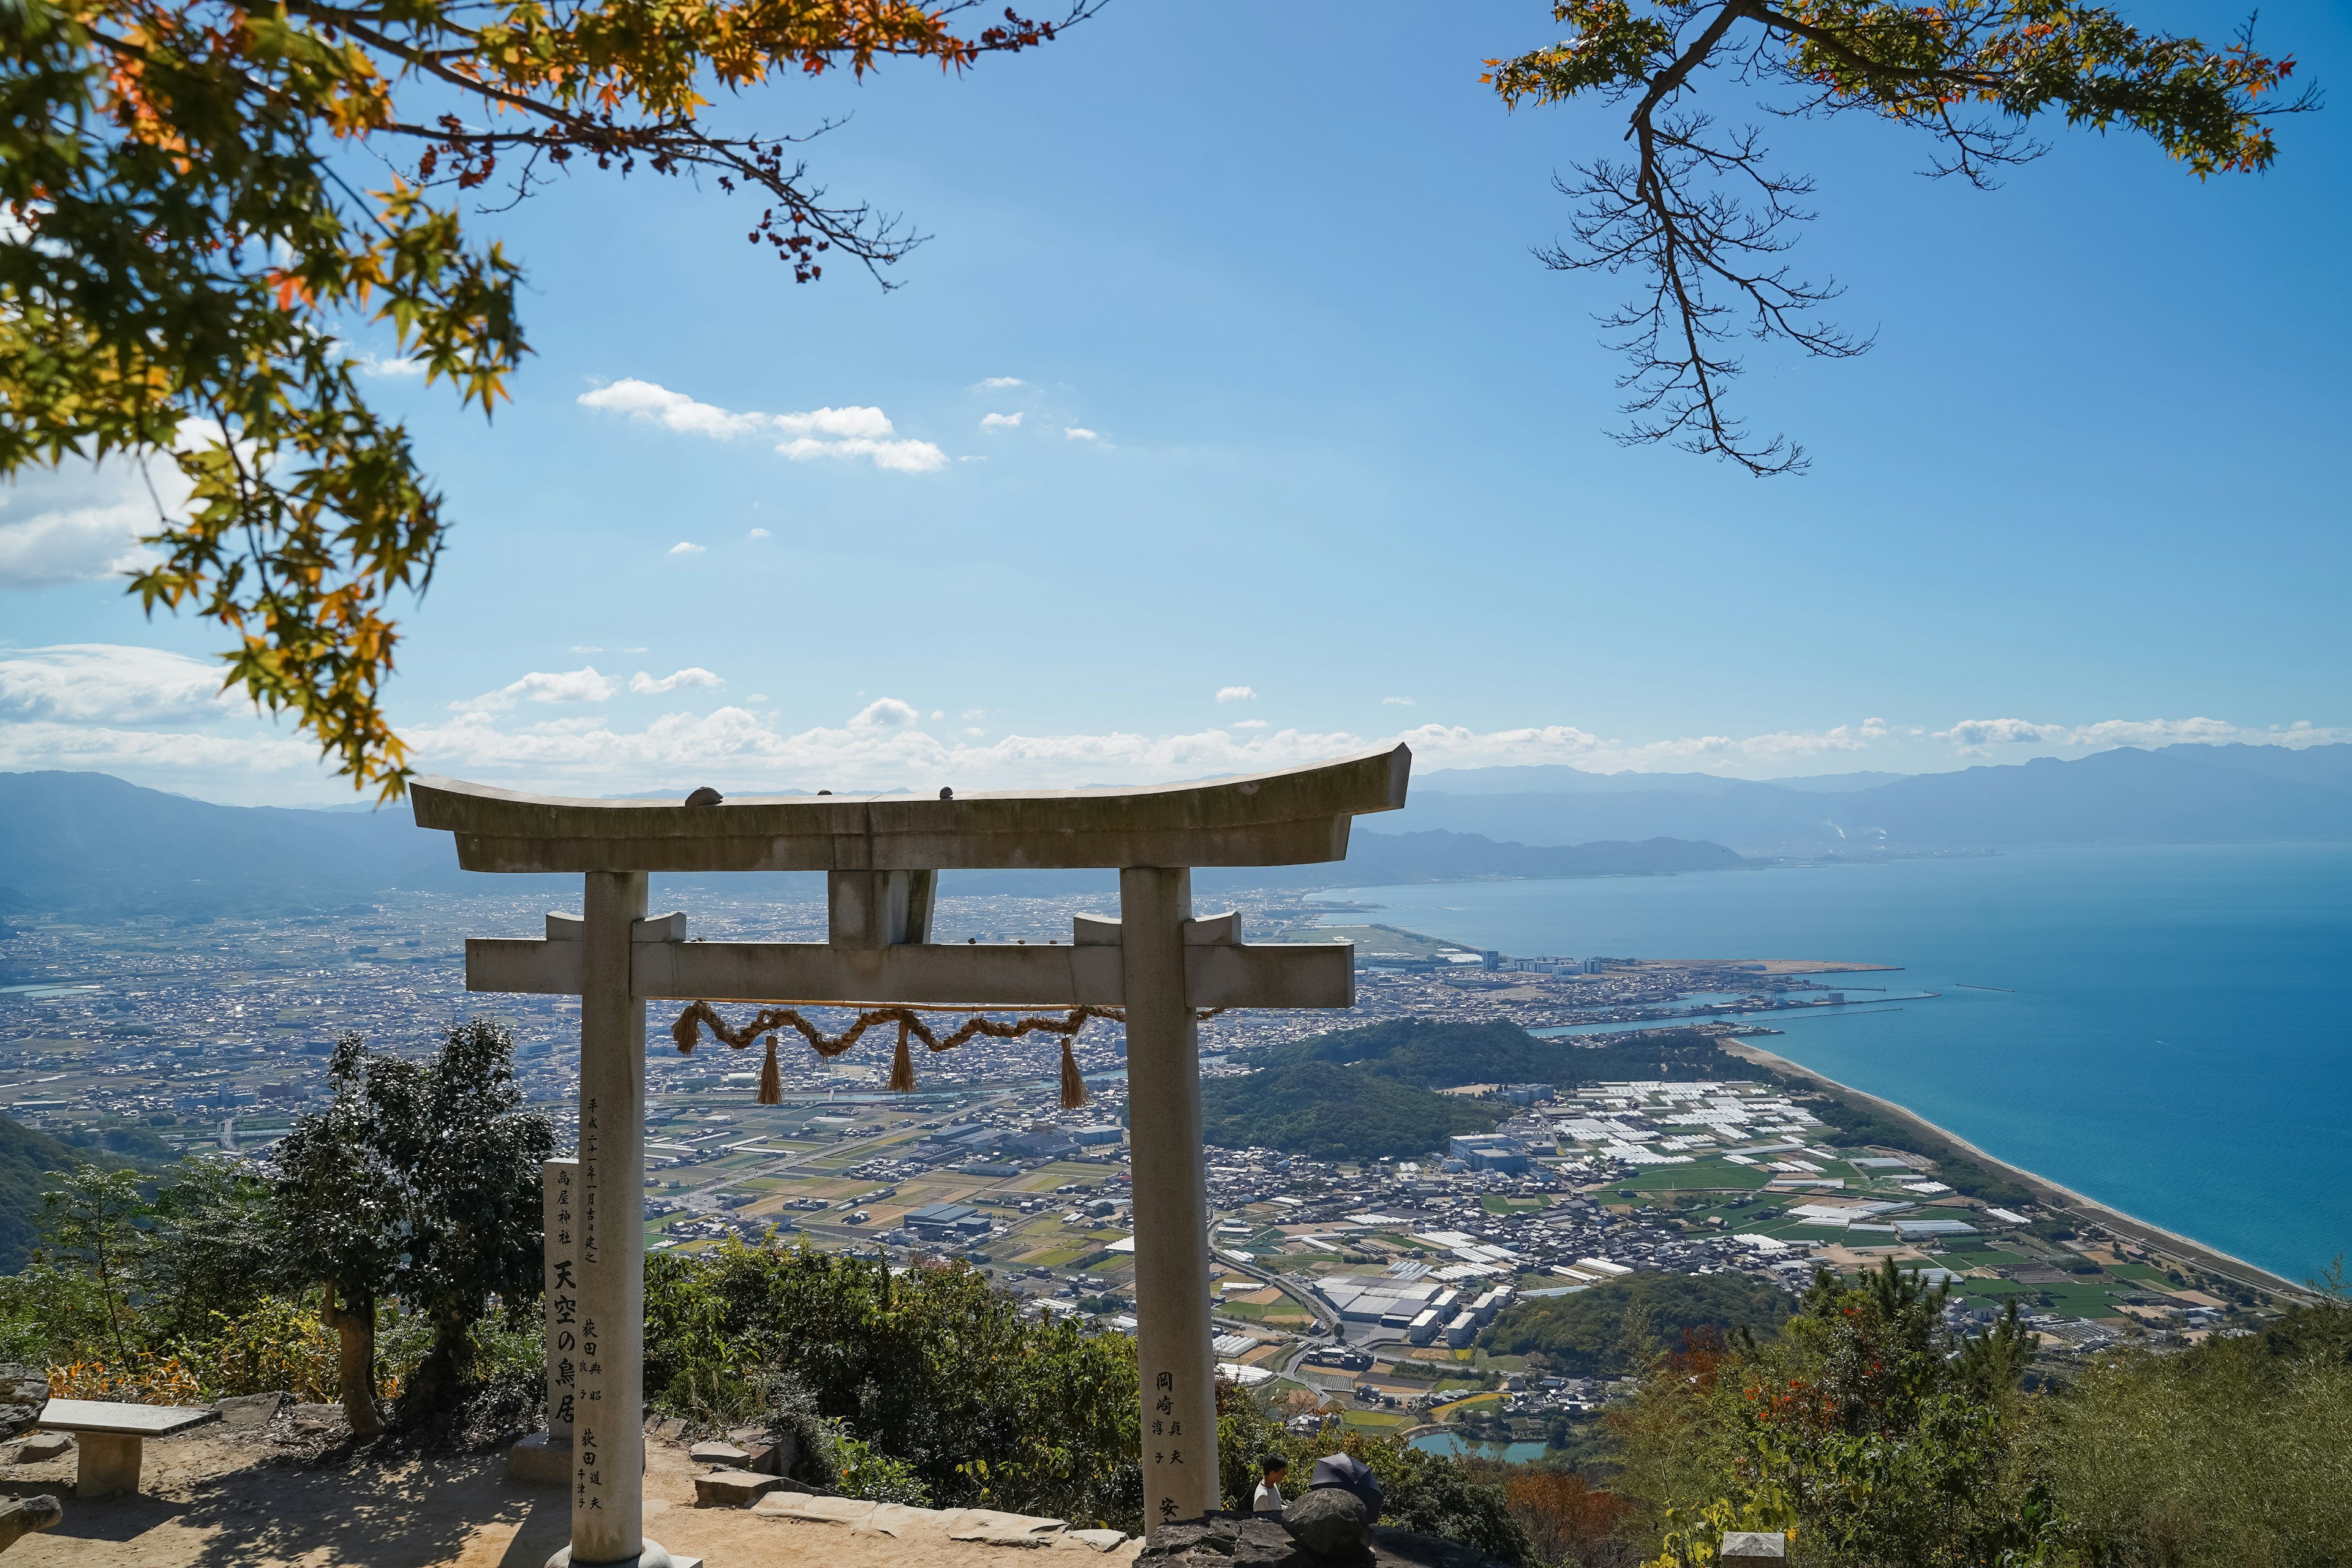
(1269, 1490)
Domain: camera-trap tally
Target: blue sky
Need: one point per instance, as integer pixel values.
(1347, 453)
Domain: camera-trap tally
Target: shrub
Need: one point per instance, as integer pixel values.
(145, 1378)
(280, 1344)
(931, 1366)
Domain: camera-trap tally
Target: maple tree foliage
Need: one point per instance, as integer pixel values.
(1700, 215)
(183, 243)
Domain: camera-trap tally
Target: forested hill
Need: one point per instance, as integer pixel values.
(1584, 1334)
(27, 1158)
(1361, 1094)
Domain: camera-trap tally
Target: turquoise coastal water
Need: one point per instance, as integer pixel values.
(2172, 1037)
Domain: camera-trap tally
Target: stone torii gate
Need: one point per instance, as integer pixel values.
(882, 856)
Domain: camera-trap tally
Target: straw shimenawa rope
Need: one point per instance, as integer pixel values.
(699, 1016)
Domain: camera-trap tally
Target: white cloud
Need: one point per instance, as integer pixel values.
(686, 547)
(671, 410)
(82, 522)
(150, 752)
(999, 422)
(160, 718)
(581, 647)
(390, 369)
(1396, 702)
(970, 460)
(1981, 734)
(904, 456)
(939, 714)
(582, 685)
(757, 533)
(644, 685)
(87, 683)
(1235, 694)
(1079, 433)
(1000, 382)
(854, 432)
(884, 713)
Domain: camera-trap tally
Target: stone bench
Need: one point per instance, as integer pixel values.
(111, 1438)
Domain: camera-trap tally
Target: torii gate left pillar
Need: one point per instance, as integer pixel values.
(883, 855)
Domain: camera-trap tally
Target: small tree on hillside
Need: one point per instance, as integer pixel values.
(95, 1220)
(421, 1180)
(473, 1156)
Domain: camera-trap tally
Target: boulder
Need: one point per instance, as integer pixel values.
(1225, 1540)
(21, 1516)
(22, 1391)
(1259, 1541)
(42, 1447)
(1329, 1521)
(733, 1488)
(1099, 1539)
(249, 1410)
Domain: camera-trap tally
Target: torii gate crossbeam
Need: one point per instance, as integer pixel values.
(882, 856)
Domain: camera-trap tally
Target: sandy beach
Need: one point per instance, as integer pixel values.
(2045, 1191)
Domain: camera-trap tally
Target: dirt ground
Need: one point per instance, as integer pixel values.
(219, 1499)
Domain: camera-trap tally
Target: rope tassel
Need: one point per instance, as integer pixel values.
(1074, 1087)
(772, 1078)
(902, 1067)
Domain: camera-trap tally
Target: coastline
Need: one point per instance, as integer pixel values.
(2045, 1191)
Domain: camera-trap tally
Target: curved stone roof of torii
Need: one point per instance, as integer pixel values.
(1296, 816)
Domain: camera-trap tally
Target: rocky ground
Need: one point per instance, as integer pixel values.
(282, 1494)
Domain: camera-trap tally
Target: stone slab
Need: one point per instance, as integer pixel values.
(123, 1420)
(897, 1518)
(1100, 1539)
(41, 1446)
(813, 1510)
(991, 1528)
(1754, 1546)
(725, 1456)
(733, 1488)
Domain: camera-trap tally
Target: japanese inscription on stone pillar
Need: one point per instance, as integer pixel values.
(560, 1183)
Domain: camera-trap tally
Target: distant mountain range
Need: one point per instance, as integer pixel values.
(2180, 795)
(91, 845)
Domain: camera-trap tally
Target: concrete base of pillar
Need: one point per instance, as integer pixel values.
(540, 1460)
(654, 1555)
(109, 1466)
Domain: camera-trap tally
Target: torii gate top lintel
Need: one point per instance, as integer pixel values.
(1294, 817)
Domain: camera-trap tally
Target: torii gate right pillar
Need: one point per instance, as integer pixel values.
(1173, 1353)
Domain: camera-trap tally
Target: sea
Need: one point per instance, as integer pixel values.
(2165, 1030)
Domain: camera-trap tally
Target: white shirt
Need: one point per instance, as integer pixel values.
(1268, 1498)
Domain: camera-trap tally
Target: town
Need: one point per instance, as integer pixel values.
(1361, 1290)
